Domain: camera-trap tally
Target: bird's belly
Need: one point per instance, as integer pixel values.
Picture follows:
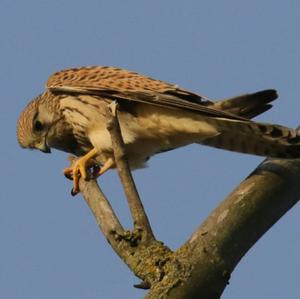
(138, 148)
(151, 131)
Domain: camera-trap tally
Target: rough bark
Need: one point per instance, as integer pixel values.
(234, 227)
(201, 267)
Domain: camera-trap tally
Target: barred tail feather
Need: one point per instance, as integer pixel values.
(256, 138)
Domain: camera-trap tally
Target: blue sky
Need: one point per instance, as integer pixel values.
(50, 244)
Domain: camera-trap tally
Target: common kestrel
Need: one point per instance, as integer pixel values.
(154, 117)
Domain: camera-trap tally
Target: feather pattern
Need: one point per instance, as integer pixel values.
(154, 116)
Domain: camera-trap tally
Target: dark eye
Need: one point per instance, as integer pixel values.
(38, 126)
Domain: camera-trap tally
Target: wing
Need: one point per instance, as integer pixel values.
(248, 105)
(119, 84)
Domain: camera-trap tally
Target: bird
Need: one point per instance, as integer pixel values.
(154, 117)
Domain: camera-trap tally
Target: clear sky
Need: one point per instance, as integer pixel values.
(50, 244)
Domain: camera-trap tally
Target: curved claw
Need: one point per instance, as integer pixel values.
(73, 193)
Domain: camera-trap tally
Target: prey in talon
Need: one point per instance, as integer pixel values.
(154, 116)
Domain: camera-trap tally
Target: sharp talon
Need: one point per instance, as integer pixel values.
(73, 192)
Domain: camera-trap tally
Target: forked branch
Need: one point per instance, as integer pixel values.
(138, 248)
(201, 268)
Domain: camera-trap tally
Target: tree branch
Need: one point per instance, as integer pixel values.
(146, 259)
(144, 255)
(234, 227)
(138, 214)
(201, 268)
(101, 208)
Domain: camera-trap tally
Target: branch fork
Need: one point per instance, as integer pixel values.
(201, 267)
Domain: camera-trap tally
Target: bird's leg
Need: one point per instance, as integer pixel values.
(79, 169)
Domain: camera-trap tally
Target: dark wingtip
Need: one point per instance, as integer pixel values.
(259, 102)
(267, 95)
(259, 110)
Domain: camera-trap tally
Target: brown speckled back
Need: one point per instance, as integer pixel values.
(104, 77)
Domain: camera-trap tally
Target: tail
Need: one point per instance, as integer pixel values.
(248, 105)
(255, 138)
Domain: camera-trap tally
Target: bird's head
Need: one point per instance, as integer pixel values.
(34, 124)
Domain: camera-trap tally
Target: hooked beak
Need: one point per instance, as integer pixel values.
(43, 147)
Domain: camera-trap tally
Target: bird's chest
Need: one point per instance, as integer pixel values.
(81, 114)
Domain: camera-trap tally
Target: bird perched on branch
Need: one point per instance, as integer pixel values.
(154, 117)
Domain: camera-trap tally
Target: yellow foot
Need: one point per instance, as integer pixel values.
(80, 170)
(92, 165)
